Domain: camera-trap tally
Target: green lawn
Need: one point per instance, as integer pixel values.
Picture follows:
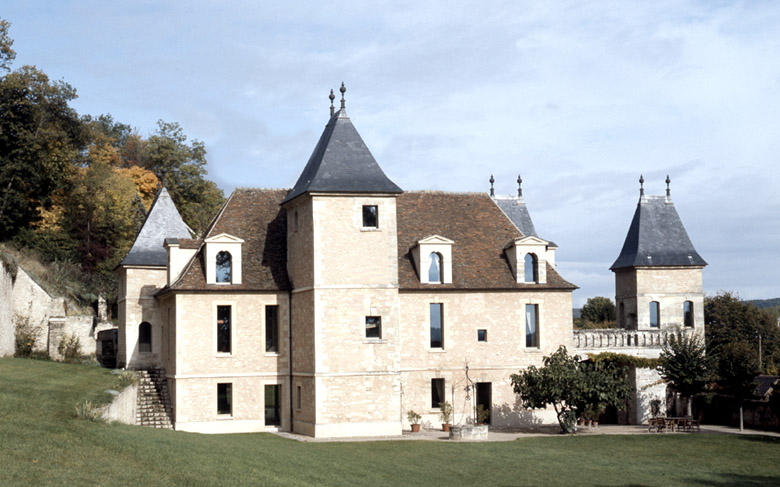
(42, 444)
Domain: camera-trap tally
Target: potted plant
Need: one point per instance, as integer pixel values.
(414, 420)
(483, 414)
(446, 415)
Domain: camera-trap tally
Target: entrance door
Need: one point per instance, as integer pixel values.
(484, 399)
(273, 405)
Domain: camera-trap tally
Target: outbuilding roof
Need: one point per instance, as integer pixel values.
(163, 221)
(657, 237)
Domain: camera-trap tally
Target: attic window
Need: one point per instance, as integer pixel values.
(224, 267)
(531, 268)
(434, 270)
(370, 216)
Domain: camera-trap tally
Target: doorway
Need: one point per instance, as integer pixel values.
(484, 400)
(273, 405)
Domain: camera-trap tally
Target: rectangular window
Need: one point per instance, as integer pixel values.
(223, 329)
(437, 328)
(298, 398)
(481, 335)
(273, 405)
(532, 325)
(437, 392)
(225, 399)
(373, 327)
(272, 329)
(688, 313)
(370, 216)
(655, 314)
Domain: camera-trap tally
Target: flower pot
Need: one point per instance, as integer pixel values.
(595, 424)
(581, 422)
(445, 427)
(415, 428)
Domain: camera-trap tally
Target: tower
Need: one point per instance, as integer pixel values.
(658, 274)
(343, 265)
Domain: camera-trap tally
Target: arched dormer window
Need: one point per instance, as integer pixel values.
(145, 337)
(224, 266)
(531, 266)
(434, 270)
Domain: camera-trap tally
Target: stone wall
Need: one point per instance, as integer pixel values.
(123, 407)
(6, 309)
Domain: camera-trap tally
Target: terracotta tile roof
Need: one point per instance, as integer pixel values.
(480, 231)
(253, 215)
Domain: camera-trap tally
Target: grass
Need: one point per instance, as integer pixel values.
(41, 443)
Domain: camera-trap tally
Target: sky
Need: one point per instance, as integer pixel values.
(579, 98)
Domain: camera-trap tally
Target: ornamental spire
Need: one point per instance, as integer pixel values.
(641, 185)
(332, 97)
(519, 186)
(668, 191)
(343, 90)
(492, 180)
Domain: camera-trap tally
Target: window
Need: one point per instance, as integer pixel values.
(530, 266)
(655, 314)
(224, 266)
(532, 325)
(373, 327)
(434, 270)
(437, 335)
(688, 313)
(273, 405)
(481, 335)
(225, 399)
(295, 218)
(622, 316)
(437, 392)
(370, 216)
(298, 398)
(144, 337)
(272, 329)
(223, 329)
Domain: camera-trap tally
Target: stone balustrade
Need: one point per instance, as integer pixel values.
(615, 338)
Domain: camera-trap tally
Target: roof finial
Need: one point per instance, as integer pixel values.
(519, 186)
(492, 193)
(668, 191)
(641, 185)
(342, 90)
(332, 97)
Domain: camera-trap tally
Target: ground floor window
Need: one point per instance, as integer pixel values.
(145, 337)
(437, 392)
(273, 406)
(225, 399)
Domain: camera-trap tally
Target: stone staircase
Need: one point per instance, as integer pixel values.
(153, 408)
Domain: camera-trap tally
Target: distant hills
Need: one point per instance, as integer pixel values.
(765, 303)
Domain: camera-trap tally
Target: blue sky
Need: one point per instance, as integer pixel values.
(578, 97)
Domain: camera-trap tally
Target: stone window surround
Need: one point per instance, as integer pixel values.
(223, 243)
(421, 256)
(538, 313)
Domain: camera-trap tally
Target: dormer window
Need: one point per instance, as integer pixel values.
(370, 216)
(224, 267)
(223, 259)
(434, 270)
(531, 265)
(433, 260)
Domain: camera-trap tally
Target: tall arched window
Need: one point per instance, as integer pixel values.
(530, 265)
(688, 313)
(145, 337)
(655, 314)
(224, 267)
(434, 270)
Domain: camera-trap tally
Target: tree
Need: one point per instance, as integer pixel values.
(684, 365)
(571, 386)
(598, 312)
(737, 370)
(40, 138)
(7, 54)
(729, 319)
(182, 169)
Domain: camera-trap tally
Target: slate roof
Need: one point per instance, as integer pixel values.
(514, 207)
(341, 163)
(657, 237)
(480, 231)
(253, 215)
(163, 221)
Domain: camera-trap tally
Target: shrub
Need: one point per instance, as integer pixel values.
(87, 410)
(446, 412)
(70, 348)
(413, 417)
(126, 378)
(26, 335)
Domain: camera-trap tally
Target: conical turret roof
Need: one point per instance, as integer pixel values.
(341, 163)
(657, 237)
(163, 221)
